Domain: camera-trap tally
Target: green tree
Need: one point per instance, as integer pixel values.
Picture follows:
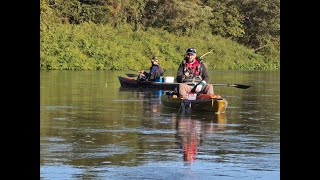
(116, 9)
(226, 20)
(182, 17)
(261, 23)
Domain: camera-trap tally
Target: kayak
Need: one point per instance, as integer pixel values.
(198, 102)
(133, 83)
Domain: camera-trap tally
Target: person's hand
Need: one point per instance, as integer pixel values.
(187, 74)
(198, 88)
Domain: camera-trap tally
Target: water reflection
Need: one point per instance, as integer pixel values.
(149, 100)
(192, 129)
(93, 131)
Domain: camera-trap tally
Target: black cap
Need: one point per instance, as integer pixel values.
(191, 51)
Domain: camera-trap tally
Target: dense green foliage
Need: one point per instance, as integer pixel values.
(124, 35)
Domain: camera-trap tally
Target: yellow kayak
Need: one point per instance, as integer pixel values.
(200, 102)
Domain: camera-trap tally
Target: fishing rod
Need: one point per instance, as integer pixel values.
(206, 53)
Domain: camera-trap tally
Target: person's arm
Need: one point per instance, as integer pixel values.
(205, 76)
(143, 72)
(180, 75)
(159, 71)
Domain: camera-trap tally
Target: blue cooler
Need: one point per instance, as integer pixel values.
(159, 79)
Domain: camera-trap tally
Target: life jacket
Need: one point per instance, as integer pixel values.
(193, 69)
(155, 74)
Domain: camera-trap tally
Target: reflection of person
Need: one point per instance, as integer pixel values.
(193, 70)
(188, 132)
(155, 71)
(191, 131)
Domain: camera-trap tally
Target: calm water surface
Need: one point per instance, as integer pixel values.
(90, 128)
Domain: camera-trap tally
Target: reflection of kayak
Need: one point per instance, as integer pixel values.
(133, 83)
(202, 102)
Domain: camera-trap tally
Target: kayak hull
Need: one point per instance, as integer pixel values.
(133, 83)
(216, 105)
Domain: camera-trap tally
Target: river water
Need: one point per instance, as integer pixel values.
(90, 128)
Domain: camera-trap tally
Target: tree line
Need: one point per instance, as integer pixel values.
(254, 24)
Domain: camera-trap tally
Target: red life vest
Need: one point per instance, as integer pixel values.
(192, 68)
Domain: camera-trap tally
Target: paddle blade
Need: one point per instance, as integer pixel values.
(241, 86)
(131, 75)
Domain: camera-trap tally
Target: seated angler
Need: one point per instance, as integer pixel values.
(193, 71)
(155, 71)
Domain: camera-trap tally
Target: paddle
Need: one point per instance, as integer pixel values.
(241, 86)
(131, 75)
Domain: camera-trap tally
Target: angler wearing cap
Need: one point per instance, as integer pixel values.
(155, 71)
(193, 70)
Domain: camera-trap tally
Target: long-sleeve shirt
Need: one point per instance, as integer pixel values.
(181, 77)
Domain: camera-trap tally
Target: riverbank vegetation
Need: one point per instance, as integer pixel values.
(124, 35)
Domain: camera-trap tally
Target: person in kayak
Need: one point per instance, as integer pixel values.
(193, 75)
(155, 71)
